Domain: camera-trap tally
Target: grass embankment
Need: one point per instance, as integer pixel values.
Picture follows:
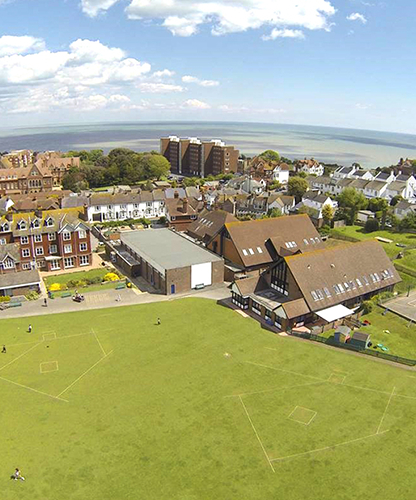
(168, 415)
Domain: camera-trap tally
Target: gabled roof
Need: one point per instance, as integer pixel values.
(12, 250)
(359, 268)
(376, 185)
(250, 237)
(209, 223)
(397, 186)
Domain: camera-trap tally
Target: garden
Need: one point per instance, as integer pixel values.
(89, 281)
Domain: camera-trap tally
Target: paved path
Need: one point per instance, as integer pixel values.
(404, 306)
(106, 298)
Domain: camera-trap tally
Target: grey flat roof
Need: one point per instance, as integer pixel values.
(165, 249)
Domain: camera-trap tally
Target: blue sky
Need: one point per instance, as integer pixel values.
(346, 63)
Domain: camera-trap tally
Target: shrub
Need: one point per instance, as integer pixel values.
(94, 281)
(76, 283)
(6, 298)
(55, 287)
(371, 225)
(367, 306)
(111, 277)
(32, 296)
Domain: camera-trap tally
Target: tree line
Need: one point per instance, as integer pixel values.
(120, 166)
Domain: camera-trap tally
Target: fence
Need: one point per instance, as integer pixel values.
(368, 352)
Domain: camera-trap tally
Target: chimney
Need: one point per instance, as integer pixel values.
(185, 205)
(38, 213)
(176, 195)
(83, 214)
(9, 217)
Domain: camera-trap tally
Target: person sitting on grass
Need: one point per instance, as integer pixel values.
(17, 475)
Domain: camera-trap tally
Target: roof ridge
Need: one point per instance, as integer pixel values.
(335, 248)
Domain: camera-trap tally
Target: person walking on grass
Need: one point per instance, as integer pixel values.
(158, 321)
(29, 329)
(17, 475)
(4, 350)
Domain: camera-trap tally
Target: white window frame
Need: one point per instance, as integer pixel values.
(26, 266)
(51, 236)
(53, 248)
(38, 251)
(8, 263)
(84, 260)
(38, 238)
(82, 234)
(24, 240)
(69, 259)
(2, 241)
(55, 265)
(83, 247)
(25, 252)
(66, 236)
(67, 248)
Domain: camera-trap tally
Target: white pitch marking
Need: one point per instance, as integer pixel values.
(34, 390)
(385, 410)
(275, 389)
(256, 433)
(18, 357)
(99, 343)
(286, 371)
(343, 377)
(326, 448)
(52, 338)
(299, 421)
(80, 377)
(47, 363)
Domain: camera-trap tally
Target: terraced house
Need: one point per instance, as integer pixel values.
(51, 240)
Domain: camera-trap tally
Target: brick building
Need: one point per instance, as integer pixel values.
(170, 262)
(32, 179)
(193, 157)
(50, 240)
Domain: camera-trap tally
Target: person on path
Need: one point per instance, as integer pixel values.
(17, 475)
(4, 350)
(45, 302)
(29, 329)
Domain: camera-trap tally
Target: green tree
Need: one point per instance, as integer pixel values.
(274, 185)
(272, 213)
(371, 225)
(155, 166)
(408, 222)
(377, 205)
(297, 187)
(395, 200)
(270, 155)
(74, 180)
(328, 213)
(352, 201)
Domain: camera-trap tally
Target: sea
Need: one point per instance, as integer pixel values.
(342, 146)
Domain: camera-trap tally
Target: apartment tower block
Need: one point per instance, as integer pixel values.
(193, 157)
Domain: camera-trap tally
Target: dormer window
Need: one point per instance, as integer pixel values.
(36, 223)
(49, 222)
(8, 263)
(21, 225)
(4, 227)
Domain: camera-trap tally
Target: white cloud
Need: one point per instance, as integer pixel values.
(202, 83)
(357, 17)
(165, 73)
(196, 104)
(362, 106)
(11, 45)
(185, 17)
(284, 33)
(94, 7)
(244, 109)
(159, 88)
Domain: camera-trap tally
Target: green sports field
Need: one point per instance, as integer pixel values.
(106, 404)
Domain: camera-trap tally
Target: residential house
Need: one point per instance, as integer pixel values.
(315, 202)
(281, 173)
(57, 166)
(366, 175)
(345, 172)
(309, 166)
(280, 201)
(181, 212)
(375, 189)
(49, 240)
(404, 208)
(104, 207)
